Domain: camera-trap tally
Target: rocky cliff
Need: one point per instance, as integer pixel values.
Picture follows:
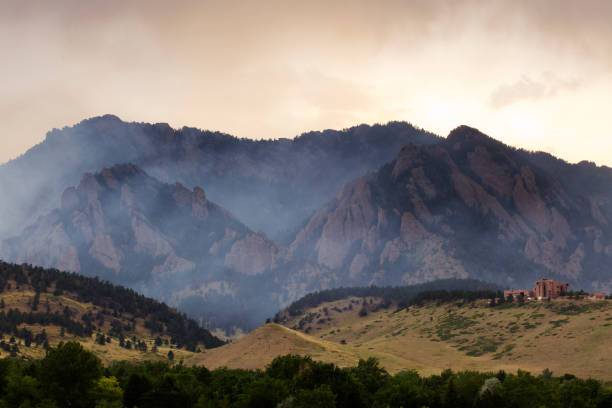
(467, 207)
(464, 206)
(127, 227)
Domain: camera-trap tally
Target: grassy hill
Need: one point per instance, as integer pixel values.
(41, 307)
(565, 336)
(258, 348)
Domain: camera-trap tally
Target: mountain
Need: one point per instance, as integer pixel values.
(271, 185)
(468, 206)
(164, 240)
(177, 222)
(41, 307)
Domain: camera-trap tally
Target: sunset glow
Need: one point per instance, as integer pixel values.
(534, 74)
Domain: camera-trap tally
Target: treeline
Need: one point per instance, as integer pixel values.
(114, 300)
(445, 296)
(10, 321)
(70, 376)
(445, 289)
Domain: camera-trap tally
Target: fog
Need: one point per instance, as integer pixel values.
(278, 219)
(267, 186)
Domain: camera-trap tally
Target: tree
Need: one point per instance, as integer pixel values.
(22, 390)
(36, 301)
(288, 367)
(100, 339)
(108, 393)
(320, 397)
(266, 392)
(137, 386)
(68, 373)
(370, 374)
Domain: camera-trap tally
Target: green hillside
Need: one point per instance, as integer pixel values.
(41, 307)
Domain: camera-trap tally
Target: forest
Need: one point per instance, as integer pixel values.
(444, 289)
(70, 376)
(115, 301)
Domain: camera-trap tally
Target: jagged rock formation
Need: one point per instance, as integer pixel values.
(466, 206)
(469, 206)
(271, 185)
(125, 226)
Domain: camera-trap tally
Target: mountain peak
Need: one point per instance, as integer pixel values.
(122, 171)
(408, 157)
(465, 133)
(104, 118)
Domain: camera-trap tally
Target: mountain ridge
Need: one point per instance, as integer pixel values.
(436, 207)
(467, 206)
(273, 175)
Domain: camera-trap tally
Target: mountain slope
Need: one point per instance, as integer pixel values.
(165, 240)
(563, 336)
(40, 307)
(258, 348)
(466, 207)
(272, 185)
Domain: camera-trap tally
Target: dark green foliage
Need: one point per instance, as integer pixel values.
(68, 373)
(444, 290)
(159, 318)
(321, 397)
(70, 376)
(11, 319)
(137, 386)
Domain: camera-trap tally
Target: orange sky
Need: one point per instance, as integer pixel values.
(535, 74)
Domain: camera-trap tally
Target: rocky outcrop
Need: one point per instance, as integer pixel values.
(467, 206)
(470, 206)
(253, 255)
(127, 227)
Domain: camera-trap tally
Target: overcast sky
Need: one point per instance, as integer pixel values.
(534, 74)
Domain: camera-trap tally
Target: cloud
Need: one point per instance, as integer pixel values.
(280, 67)
(528, 89)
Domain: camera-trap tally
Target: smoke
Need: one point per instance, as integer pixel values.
(145, 232)
(276, 69)
(273, 186)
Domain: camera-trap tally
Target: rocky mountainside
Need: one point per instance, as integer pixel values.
(165, 240)
(466, 206)
(271, 185)
(469, 206)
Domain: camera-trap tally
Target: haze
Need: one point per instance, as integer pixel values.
(535, 74)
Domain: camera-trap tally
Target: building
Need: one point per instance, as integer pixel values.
(516, 293)
(545, 288)
(549, 289)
